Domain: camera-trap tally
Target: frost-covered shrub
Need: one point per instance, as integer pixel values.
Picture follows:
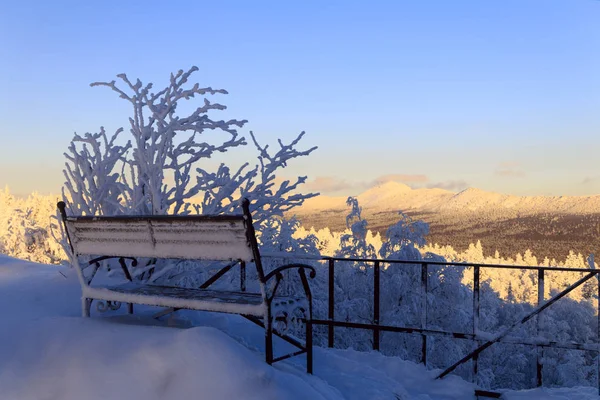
(157, 166)
(26, 228)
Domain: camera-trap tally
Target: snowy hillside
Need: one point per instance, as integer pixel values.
(48, 352)
(398, 196)
(548, 226)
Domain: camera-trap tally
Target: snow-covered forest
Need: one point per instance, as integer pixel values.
(506, 296)
(155, 167)
(26, 228)
(28, 231)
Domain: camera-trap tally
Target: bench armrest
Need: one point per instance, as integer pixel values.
(97, 260)
(300, 267)
(277, 273)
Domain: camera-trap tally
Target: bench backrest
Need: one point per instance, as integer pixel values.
(188, 238)
(196, 237)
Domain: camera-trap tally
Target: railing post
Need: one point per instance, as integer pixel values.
(309, 345)
(424, 312)
(243, 276)
(476, 278)
(376, 282)
(331, 313)
(539, 350)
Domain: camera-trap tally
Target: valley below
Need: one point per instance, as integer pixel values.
(548, 226)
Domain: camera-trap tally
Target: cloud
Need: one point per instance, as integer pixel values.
(510, 173)
(457, 185)
(419, 178)
(589, 179)
(509, 169)
(327, 184)
(509, 165)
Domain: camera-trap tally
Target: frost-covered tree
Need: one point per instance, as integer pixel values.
(93, 183)
(277, 238)
(355, 243)
(155, 166)
(353, 291)
(26, 228)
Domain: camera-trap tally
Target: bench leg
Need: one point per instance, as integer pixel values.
(309, 349)
(130, 308)
(164, 312)
(86, 304)
(269, 336)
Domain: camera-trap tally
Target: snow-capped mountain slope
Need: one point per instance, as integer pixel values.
(474, 199)
(397, 196)
(386, 196)
(547, 225)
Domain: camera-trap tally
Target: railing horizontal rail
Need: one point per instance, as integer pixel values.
(419, 262)
(460, 335)
(388, 328)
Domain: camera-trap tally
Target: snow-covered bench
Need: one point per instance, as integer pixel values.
(200, 237)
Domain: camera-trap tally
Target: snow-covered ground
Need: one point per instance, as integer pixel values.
(47, 351)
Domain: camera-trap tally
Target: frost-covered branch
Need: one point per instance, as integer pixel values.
(166, 145)
(159, 170)
(355, 243)
(92, 184)
(222, 190)
(271, 200)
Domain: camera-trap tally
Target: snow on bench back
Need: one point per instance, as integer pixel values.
(221, 237)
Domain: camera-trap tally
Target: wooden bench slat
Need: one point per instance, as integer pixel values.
(109, 222)
(210, 251)
(159, 237)
(217, 296)
(203, 239)
(199, 299)
(168, 218)
(170, 299)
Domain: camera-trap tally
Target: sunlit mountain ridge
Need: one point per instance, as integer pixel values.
(398, 196)
(548, 225)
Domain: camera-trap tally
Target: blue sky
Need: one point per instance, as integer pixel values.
(503, 95)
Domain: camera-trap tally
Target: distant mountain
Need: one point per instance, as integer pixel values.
(548, 225)
(386, 196)
(398, 196)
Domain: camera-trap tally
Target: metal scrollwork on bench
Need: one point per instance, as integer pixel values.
(105, 305)
(290, 320)
(96, 263)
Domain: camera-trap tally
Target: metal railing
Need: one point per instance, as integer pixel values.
(483, 341)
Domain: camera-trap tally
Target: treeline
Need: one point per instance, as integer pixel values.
(475, 252)
(520, 285)
(27, 227)
(551, 235)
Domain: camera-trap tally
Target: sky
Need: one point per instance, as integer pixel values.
(502, 95)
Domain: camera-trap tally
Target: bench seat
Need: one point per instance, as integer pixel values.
(193, 299)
